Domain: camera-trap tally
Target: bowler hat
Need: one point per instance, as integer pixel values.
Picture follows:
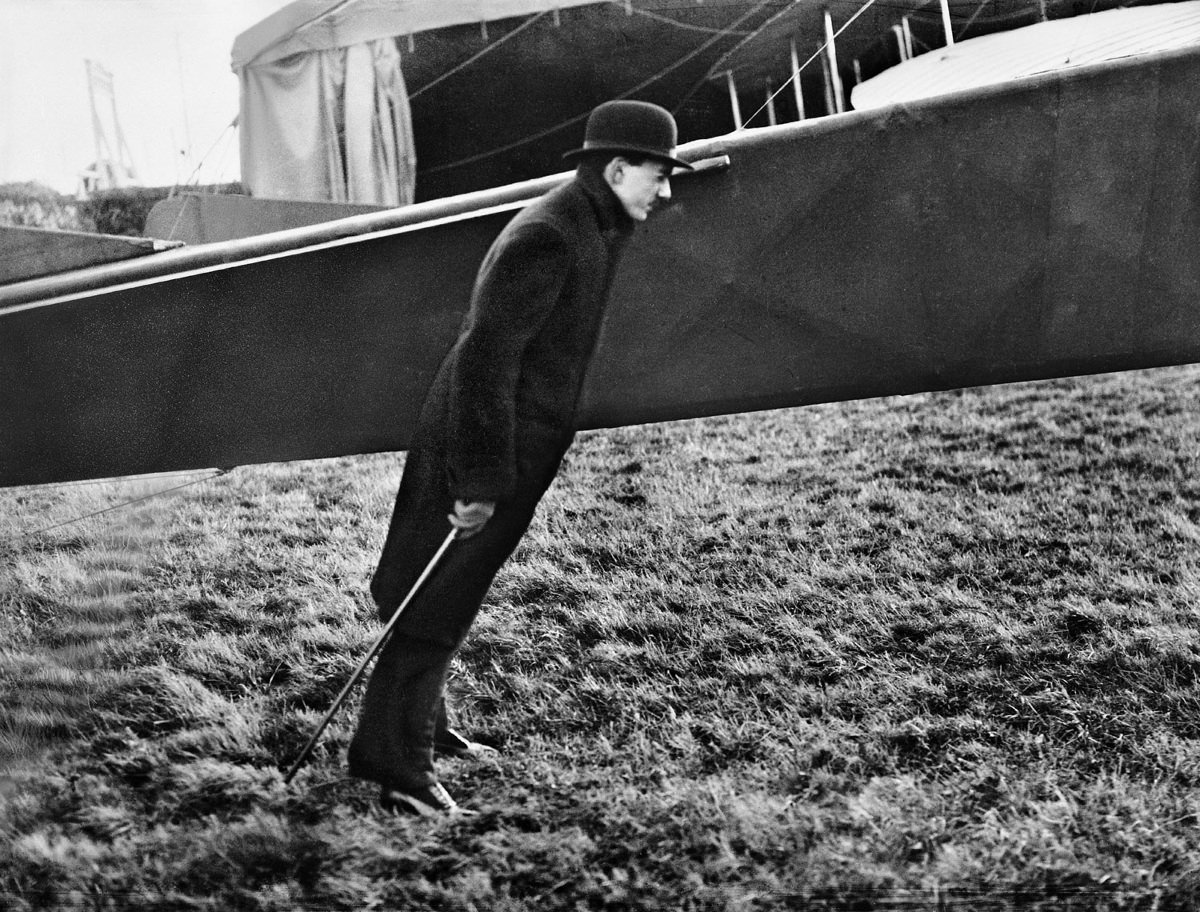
(635, 127)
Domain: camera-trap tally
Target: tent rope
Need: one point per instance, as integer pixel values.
(532, 19)
(483, 53)
(685, 26)
(626, 94)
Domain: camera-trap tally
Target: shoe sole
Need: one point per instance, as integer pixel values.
(396, 801)
(408, 806)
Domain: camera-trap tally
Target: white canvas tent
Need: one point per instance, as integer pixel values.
(332, 124)
(324, 111)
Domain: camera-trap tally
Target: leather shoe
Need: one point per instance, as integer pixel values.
(423, 801)
(450, 743)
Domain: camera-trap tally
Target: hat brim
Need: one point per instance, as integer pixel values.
(626, 150)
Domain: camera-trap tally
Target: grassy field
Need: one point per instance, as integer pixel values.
(937, 651)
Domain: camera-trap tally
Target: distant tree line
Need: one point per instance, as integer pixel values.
(121, 211)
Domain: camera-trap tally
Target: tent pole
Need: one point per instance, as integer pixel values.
(946, 23)
(733, 100)
(796, 87)
(828, 85)
(838, 96)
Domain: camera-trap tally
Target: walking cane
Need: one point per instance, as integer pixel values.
(375, 647)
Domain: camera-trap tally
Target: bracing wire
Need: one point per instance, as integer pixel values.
(749, 36)
(862, 9)
(196, 171)
(175, 224)
(626, 94)
(220, 170)
(971, 21)
(203, 158)
(975, 15)
(1080, 33)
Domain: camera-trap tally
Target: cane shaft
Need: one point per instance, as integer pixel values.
(371, 653)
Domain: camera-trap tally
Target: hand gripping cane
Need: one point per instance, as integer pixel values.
(371, 653)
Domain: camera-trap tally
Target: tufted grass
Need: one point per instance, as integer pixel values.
(937, 651)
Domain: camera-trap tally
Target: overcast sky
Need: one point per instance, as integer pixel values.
(174, 89)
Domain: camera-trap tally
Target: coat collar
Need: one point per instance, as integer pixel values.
(613, 220)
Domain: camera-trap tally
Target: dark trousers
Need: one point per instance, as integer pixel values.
(404, 705)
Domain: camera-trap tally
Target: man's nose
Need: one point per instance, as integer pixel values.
(664, 190)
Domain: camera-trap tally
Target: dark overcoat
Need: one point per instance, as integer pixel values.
(499, 416)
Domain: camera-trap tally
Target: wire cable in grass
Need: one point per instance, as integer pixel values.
(125, 504)
(112, 479)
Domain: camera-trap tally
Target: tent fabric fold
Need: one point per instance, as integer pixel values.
(305, 26)
(329, 125)
(325, 114)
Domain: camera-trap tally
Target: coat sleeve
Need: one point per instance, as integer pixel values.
(518, 287)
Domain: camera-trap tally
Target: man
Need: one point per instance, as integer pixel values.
(492, 432)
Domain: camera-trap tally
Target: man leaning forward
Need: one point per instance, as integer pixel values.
(492, 432)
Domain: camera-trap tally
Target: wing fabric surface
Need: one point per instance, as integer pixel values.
(1042, 229)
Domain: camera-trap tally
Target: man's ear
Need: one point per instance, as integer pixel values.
(614, 171)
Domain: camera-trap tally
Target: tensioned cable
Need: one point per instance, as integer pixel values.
(121, 506)
(1080, 33)
(483, 53)
(85, 482)
(220, 173)
(203, 158)
(750, 36)
(915, 10)
(685, 26)
(531, 20)
(196, 171)
(975, 15)
(637, 88)
(513, 145)
(862, 9)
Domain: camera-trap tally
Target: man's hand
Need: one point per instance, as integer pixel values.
(470, 515)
